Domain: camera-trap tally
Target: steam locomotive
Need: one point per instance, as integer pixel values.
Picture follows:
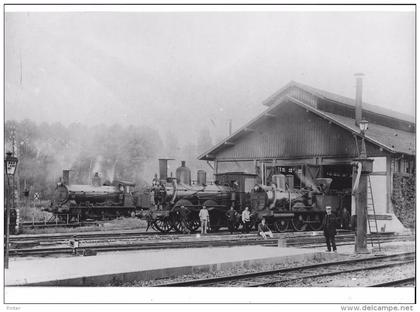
(77, 202)
(285, 207)
(173, 203)
(176, 201)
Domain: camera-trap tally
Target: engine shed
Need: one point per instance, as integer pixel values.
(308, 133)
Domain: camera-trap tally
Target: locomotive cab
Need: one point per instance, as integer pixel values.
(126, 192)
(242, 183)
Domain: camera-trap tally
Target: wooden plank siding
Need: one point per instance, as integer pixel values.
(295, 133)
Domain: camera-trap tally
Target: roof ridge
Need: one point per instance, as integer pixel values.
(380, 110)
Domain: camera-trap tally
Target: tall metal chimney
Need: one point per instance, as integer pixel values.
(230, 127)
(359, 90)
(66, 177)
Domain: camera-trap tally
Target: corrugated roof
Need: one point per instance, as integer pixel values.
(395, 141)
(341, 99)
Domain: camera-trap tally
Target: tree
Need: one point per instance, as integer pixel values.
(46, 149)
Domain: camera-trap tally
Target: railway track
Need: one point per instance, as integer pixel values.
(133, 246)
(292, 239)
(281, 277)
(107, 242)
(42, 225)
(398, 282)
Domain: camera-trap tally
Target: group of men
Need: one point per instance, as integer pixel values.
(232, 219)
(329, 223)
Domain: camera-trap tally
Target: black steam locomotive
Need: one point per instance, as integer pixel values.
(78, 202)
(176, 201)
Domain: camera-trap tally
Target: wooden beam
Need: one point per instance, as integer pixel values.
(379, 173)
(269, 115)
(389, 185)
(208, 163)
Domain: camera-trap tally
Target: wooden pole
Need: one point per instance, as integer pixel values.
(6, 249)
(361, 206)
(361, 217)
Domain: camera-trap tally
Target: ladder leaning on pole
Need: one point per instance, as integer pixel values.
(372, 223)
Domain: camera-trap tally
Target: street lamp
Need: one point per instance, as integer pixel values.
(363, 128)
(364, 125)
(10, 164)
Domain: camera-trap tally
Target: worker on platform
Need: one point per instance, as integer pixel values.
(155, 181)
(161, 196)
(74, 244)
(12, 221)
(330, 228)
(184, 217)
(231, 219)
(96, 180)
(264, 230)
(246, 220)
(345, 219)
(204, 219)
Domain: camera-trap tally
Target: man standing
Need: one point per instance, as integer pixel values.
(204, 219)
(231, 219)
(330, 229)
(12, 223)
(246, 220)
(155, 181)
(264, 230)
(345, 219)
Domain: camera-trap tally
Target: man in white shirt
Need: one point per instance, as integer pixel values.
(204, 219)
(246, 220)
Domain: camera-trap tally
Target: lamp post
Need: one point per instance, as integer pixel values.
(361, 193)
(10, 164)
(363, 125)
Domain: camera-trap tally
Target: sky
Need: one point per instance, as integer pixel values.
(181, 71)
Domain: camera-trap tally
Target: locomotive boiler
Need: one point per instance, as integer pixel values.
(79, 202)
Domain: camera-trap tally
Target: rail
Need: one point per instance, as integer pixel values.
(270, 273)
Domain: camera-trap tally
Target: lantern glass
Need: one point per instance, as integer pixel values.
(363, 125)
(11, 164)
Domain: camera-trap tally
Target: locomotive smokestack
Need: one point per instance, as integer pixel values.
(163, 169)
(66, 177)
(359, 89)
(182, 163)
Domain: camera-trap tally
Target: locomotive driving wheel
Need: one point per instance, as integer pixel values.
(316, 222)
(163, 225)
(300, 222)
(180, 217)
(281, 225)
(177, 224)
(193, 222)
